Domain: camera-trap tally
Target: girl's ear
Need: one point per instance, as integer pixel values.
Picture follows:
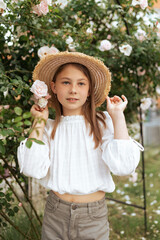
(53, 87)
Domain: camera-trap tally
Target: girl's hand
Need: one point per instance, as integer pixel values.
(38, 112)
(116, 104)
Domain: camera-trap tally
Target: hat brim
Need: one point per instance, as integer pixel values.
(100, 74)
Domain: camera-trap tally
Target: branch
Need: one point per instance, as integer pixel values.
(37, 234)
(18, 70)
(13, 225)
(17, 180)
(123, 16)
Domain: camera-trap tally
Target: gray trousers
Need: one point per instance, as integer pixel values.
(74, 221)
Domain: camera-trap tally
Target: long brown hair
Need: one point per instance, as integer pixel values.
(88, 109)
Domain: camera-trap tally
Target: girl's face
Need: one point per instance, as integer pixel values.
(72, 90)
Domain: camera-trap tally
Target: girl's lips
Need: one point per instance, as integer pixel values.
(72, 99)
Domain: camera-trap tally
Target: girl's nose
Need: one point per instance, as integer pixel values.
(73, 89)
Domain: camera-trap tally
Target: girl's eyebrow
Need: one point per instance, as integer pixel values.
(80, 79)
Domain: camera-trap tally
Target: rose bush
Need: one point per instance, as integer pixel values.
(31, 29)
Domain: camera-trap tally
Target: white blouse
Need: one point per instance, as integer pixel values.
(70, 164)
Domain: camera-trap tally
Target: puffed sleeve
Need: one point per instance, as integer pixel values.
(35, 161)
(120, 155)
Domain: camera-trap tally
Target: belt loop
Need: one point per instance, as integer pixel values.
(89, 208)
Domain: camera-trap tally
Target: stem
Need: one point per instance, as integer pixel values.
(17, 180)
(28, 26)
(18, 70)
(123, 16)
(12, 224)
(30, 219)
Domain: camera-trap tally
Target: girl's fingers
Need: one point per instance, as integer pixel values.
(124, 98)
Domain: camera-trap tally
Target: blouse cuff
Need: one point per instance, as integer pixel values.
(122, 156)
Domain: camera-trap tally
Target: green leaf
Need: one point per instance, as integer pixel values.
(3, 132)
(2, 148)
(29, 143)
(2, 194)
(21, 139)
(27, 122)
(17, 128)
(16, 209)
(11, 212)
(37, 141)
(17, 119)
(26, 115)
(19, 124)
(18, 111)
(6, 132)
(4, 224)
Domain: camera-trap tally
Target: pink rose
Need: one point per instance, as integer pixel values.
(40, 89)
(41, 9)
(143, 4)
(20, 204)
(140, 71)
(109, 37)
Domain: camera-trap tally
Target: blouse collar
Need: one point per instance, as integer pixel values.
(72, 118)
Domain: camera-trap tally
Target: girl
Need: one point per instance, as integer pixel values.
(81, 146)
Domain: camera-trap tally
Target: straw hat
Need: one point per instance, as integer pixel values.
(100, 74)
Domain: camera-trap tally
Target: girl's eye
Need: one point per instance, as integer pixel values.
(81, 84)
(65, 82)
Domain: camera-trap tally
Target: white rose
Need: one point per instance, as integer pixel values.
(69, 40)
(53, 50)
(89, 31)
(5, 93)
(42, 102)
(72, 46)
(158, 90)
(39, 88)
(3, 5)
(43, 51)
(126, 49)
(140, 35)
(145, 103)
(49, 2)
(143, 3)
(62, 2)
(91, 23)
(136, 2)
(134, 177)
(105, 45)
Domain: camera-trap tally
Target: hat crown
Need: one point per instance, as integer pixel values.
(100, 74)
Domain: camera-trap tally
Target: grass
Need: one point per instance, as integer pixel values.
(126, 222)
(9, 233)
